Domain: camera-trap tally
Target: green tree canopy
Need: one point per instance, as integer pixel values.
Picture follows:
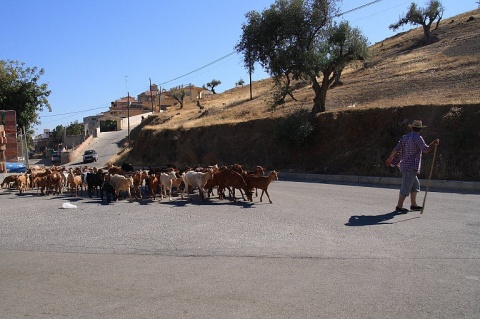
(75, 128)
(295, 39)
(343, 44)
(21, 91)
(421, 16)
(57, 134)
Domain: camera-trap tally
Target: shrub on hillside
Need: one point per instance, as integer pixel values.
(295, 130)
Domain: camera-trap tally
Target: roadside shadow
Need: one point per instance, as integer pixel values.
(368, 220)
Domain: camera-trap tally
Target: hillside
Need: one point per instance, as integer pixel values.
(438, 83)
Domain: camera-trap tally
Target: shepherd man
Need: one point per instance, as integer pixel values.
(407, 155)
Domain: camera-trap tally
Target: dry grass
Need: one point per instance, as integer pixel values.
(399, 73)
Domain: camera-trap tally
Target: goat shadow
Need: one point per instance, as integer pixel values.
(369, 220)
(196, 201)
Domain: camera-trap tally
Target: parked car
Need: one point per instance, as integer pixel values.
(56, 157)
(90, 156)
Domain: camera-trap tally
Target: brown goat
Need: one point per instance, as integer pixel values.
(74, 182)
(8, 180)
(257, 171)
(138, 179)
(112, 170)
(177, 183)
(22, 183)
(40, 182)
(153, 185)
(229, 178)
(262, 183)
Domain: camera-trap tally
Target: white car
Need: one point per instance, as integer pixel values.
(90, 156)
(56, 157)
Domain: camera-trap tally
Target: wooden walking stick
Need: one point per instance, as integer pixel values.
(429, 178)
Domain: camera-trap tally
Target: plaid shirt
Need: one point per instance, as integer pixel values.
(409, 152)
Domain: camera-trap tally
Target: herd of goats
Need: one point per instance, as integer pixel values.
(117, 181)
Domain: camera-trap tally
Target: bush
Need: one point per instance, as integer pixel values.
(295, 130)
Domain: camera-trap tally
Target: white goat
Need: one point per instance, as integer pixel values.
(197, 180)
(166, 181)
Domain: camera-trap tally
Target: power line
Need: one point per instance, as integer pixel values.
(373, 14)
(69, 113)
(206, 65)
(357, 8)
(231, 53)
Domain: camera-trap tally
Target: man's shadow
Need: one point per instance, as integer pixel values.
(367, 220)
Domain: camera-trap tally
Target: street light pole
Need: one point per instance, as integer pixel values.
(151, 95)
(128, 117)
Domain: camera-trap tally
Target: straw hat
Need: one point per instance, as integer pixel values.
(417, 124)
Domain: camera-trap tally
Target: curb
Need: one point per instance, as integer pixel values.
(467, 186)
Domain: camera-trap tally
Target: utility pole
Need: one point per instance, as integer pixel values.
(151, 94)
(128, 117)
(159, 98)
(26, 148)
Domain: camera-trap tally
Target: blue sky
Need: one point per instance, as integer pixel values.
(95, 51)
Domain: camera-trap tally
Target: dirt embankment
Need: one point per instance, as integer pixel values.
(343, 142)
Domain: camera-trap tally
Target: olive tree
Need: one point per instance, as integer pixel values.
(342, 45)
(211, 85)
(421, 16)
(178, 95)
(296, 39)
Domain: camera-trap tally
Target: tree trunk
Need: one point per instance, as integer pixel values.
(426, 30)
(319, 101)
(336, 75)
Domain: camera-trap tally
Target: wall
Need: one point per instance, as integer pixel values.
(74, 140)
(68, 157)
(10, 129)
(134, 120)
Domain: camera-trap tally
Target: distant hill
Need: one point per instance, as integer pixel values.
(438, 83)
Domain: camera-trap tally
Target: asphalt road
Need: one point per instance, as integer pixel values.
(107, 146)
(319, 251)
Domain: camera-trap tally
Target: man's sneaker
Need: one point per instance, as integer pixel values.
(416, 208)
(401, 210)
